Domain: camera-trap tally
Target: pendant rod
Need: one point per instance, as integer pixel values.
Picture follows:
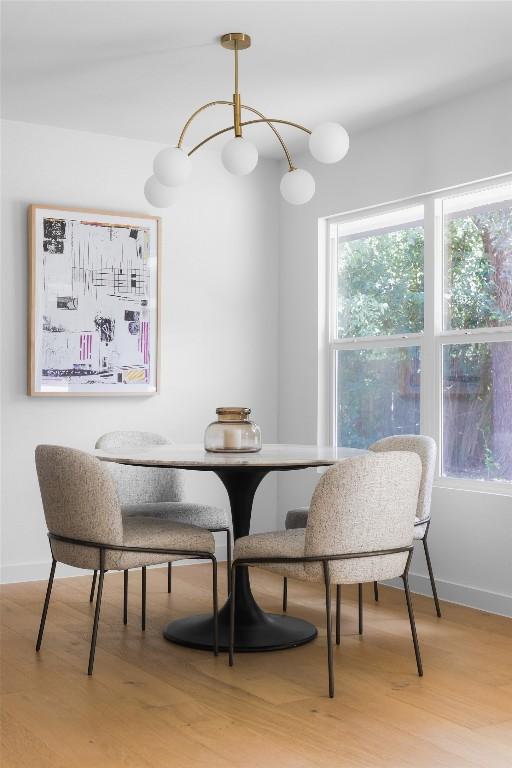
(236, 66)
(237, 114)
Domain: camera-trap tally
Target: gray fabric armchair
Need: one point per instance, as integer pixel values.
(154, 492)
(425, 447)
(87, 530)
(359, 529)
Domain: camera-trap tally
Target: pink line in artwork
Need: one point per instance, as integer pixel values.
(85, 346)
(146, 342)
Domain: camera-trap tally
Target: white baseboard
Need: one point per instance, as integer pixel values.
(481, 599)
(472, 597)
(39, 571)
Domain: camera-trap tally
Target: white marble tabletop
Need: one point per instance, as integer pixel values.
(193, 456)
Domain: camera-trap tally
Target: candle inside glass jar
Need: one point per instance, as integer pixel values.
(232, 439)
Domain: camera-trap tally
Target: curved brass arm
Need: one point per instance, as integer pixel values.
(212, 136)
(247, 122)
(262, 119)
(275, 120)
(194, 114)
(278, 135)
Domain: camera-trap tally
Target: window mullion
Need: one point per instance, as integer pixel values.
(430, 375)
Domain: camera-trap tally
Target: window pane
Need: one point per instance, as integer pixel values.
(477, 410)
(478, 258)
(380, 276)
(378, 394)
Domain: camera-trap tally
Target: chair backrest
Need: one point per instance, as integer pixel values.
(364, 504)
(426, 449)
(79, 495)
(141, 485)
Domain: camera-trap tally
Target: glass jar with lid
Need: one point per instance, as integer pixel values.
(233, 432)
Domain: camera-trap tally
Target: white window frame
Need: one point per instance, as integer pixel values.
(430, 340)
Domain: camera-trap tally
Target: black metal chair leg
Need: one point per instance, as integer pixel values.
(431, 574)
(327, 579)
(338, 614)
(413, 625)
(229, 557)
(232, 617)
(376, 591)
(97, 613)
(215, 609)
(125, 597)
(143, 598)
(46, 604)
(169, 577)
(285, 594)
(360, 602)
(93, 585)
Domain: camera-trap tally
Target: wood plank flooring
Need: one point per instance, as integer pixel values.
(154, 704)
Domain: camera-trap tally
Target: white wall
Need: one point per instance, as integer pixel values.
(461, 141)
(219, 343)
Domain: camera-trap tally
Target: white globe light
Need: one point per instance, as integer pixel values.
(239, 156)
(329, 143)
(297, 186)
(172, 166)
(158, 194)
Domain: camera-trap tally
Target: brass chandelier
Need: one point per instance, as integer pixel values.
(328, 143)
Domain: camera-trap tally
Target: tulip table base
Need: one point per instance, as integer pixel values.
(255, 630)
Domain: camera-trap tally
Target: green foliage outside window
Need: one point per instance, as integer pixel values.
(380, 284)
(380, 292)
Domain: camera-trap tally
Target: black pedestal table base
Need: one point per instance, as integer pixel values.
(255, 630)
(268, 632)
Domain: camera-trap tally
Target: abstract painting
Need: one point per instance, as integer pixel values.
(94, 310)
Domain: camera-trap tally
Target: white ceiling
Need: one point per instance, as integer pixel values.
(138, 69)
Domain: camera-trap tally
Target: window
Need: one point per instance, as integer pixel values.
(477, 410)
(380, 275)
(477, 377)
(378, 394)
(378, 263)
(420, 328)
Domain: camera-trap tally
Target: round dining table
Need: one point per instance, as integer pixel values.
(241, 474)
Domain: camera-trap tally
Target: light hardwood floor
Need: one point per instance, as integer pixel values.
(154, 704)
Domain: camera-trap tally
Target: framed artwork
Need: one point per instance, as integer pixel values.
(93, 302)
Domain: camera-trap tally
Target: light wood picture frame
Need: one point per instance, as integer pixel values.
(94, 302)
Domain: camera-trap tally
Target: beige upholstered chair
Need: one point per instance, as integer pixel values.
(425, 447)
(360, 529)
(87, 530)
(156, 492)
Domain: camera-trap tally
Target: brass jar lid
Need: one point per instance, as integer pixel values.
(226, 411)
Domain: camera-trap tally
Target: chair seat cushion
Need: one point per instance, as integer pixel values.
(201, 515)
(291, 543)
(140, 531)
(296, 518)
(275, 544)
